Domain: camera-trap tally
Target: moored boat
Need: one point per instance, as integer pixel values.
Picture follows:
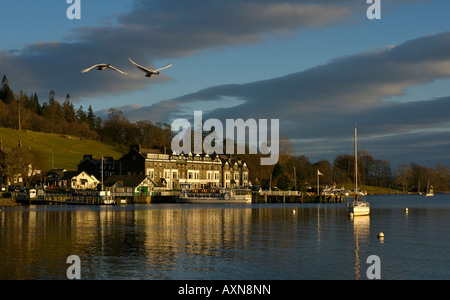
(430, 190)
(357, 207)
(215, 195)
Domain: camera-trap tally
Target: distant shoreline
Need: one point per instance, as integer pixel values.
(8, 202)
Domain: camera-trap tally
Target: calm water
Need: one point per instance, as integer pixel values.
(263, 241)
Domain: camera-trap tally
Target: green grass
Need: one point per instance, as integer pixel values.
(67, 150)
(371, 190)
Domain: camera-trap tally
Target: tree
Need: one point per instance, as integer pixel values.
(343, 168)
(21, 162)
(33, 104)
(6, 94)
(114, 126)
(81, 115)
(304, 172)
(326, 169)
(440, 178)
(52, 112)
(365, 165)
(21, 99)
(381, 172)
(165, 135)
(90, 118)
(419, 177)
(401, 173)
(69, 111)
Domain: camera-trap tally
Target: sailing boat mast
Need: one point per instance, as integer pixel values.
(357, 208)
(355, 197)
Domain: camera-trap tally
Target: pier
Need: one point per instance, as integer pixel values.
(65, 199)
(294, 197)
(171, 196)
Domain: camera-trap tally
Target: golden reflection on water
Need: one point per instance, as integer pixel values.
(35, 242)
(361, 234)
(162, 242)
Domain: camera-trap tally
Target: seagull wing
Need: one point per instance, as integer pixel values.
(140, 67)
(168, 66)
(88, 69)
(117, 70)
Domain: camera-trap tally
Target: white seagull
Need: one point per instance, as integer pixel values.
(101, 67)
(150, 73)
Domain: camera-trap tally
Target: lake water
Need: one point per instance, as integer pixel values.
(229, 242)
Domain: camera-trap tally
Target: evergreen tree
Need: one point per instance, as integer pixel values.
(90, 119)
(53, 112)
(69, 111)
(81, 115)
(6, 94)
(33, 105)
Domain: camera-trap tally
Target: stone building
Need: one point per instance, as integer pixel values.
(172, 170)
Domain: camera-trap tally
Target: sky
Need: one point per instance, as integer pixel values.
(319, 66)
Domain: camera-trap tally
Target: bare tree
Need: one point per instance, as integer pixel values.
(21, 162)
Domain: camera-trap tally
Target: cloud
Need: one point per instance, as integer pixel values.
(346, 84)
(319, 106)
(155, 30)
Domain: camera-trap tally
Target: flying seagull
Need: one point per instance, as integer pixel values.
(101, 67)
(149, 72)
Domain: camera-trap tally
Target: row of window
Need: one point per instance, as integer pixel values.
(184, 167)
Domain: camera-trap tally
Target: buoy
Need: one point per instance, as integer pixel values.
(380, 235)
(293, 211)
(406, 209)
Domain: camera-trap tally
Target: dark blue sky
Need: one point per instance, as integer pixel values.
(317, 66)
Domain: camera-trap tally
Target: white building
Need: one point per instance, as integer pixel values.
(84, 181)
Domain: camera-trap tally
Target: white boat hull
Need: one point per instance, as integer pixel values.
(358, 209)
(223, 197)
(213, 201)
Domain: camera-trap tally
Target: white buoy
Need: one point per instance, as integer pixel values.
(380, 235)
(406, 209)
(293, 211)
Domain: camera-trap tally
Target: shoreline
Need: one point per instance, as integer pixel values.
(7, 202)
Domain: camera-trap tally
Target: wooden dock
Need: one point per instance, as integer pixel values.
(294, 197)
(63, 199)
(170, 197)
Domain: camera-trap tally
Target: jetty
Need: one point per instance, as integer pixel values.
(105, 198)
(72, 198)
(294, 197)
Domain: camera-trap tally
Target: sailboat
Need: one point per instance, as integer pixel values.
(430, 190)
(357, 207)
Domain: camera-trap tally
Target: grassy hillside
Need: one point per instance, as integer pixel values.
(67, 150)
(371, 190)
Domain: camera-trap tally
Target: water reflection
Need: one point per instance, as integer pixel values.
(36, 242)
(361, 234)
(172, 242)
(318, 241)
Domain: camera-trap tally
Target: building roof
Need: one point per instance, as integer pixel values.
(125, 180)
(69, 175)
